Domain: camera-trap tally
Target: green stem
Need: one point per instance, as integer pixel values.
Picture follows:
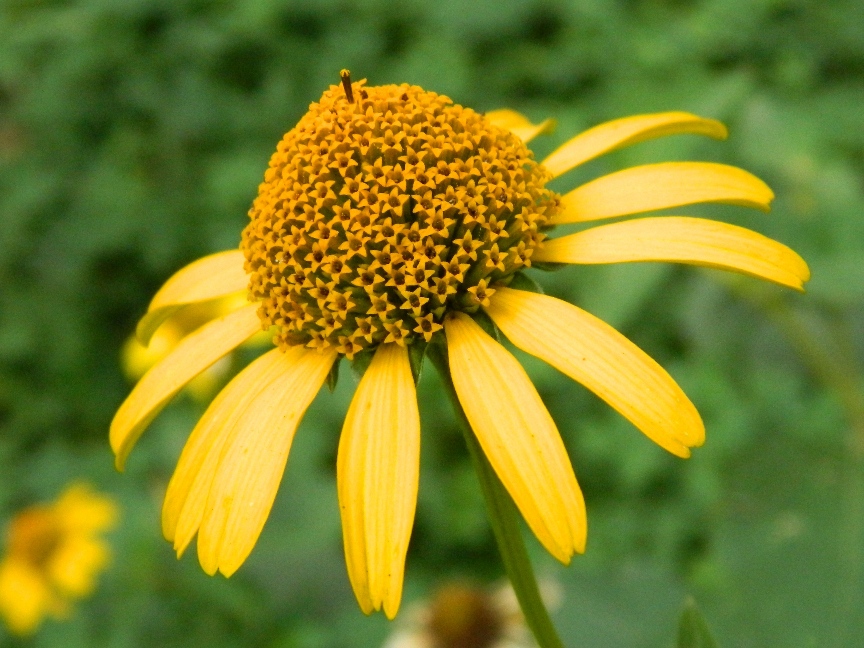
(504, 519)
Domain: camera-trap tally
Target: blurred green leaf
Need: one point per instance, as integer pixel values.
(692, 629)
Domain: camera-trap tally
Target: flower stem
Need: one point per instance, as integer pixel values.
(504, 519)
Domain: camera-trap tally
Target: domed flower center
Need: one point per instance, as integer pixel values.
(382, 210)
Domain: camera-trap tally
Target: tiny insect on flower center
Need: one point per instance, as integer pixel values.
(382, 210)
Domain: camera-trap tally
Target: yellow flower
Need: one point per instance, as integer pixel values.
(390, 218)
(53, 554)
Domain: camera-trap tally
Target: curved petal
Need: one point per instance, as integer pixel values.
(518, 436)
(519, 124)
(210, 277)
(253, 460)
(160, 384)
(378, 470)
(189, 487)
(661, 186)
(596, 355)
(682, 239)
(613, 135)
(136, 358)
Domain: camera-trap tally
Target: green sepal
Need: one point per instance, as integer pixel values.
(487, 324)
(692, 630)
(521, 281)
(361, 362)
(416, 354)
(333, 375)
(548, 266)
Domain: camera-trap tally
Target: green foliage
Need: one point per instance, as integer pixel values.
(132, 139)
(692, 630)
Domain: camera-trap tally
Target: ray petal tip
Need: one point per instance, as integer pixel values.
(209, 565)
(229, 569)
(391, 606)
(716, 129)
(581, 543)
(365, 602)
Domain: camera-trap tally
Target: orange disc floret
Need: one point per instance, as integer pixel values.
(34, 535)
(379, 214)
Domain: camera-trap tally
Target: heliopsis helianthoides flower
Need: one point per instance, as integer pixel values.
(391, 218)
(54, 552)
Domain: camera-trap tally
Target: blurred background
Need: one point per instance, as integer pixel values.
(133, 136)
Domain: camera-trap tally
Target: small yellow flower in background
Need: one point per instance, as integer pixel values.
(463, 615)
(391, 218)
(137, 358)
(54, 552)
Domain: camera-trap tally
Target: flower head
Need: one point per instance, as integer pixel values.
(53, 554)
(379, 215)
(389, 219)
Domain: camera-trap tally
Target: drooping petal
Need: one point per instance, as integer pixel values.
(518, 436)
(682, 239)
(253, 460)
(189, 486)
(661, 186)
(210, 277)
(613, 135)
(519, 124)
(378, 469)
(596, 355)
(160, 384)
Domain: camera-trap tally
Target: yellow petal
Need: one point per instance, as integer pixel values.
(518, 436)
(210, 277)
(519, 124)
(189, 487)
(253, 460)
(685, 240)
(204, 385)
(82, 510)
(25, 596)
(596, 355)
(378, 469)
(76, 563)
(136, 358)
(661, 186)
(616, 134)
(160, 384)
